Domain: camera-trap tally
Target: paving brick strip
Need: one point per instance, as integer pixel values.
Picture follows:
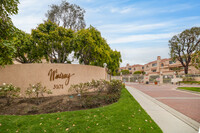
(184, 102)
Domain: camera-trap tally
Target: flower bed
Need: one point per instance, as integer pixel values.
(85, 95)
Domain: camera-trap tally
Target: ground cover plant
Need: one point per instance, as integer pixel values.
(126, 115)
(197, 89)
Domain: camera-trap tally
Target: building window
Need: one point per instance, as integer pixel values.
(142, 67)
(155, 64)
(162, 65)
(147, 66)
(154, 70)
(134, 68)
(129, 68)
(172, 62)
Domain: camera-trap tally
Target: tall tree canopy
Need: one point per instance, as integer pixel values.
(68, 15)
(27, 50)
(114, 64)
(92, 49)
(7, 8)
(54, 41)
(6, 53)
(183, 45)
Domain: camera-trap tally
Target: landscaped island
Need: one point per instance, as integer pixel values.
(126, 115)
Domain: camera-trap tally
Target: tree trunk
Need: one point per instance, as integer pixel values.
(186, 69)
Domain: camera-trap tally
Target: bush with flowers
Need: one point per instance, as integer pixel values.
(36, 91)
(10, 92)
(112, 90)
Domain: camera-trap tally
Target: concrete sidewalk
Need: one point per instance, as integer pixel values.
(167, 121)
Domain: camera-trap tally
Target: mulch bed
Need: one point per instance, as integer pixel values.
(29, 106)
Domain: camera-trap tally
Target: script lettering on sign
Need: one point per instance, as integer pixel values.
(53, 74)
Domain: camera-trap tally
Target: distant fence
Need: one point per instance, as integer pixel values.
(152, 78)
(132, 78)
(167, 78)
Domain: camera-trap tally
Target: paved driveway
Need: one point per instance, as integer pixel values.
(185, 102)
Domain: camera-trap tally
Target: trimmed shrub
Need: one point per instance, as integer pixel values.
(139, 72)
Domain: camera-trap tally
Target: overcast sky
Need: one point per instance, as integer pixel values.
(139, 29)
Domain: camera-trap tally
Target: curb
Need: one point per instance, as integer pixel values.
(193, 92)
(194, 124)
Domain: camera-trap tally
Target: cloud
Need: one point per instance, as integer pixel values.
(26, 23)
(176, 8)
(125, 28)
(121, 11)
(31, 13)
(138, 38)
(142, 55)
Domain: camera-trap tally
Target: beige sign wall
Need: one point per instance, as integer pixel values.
(56, 77)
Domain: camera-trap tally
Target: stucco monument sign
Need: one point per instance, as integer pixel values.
(56, 77)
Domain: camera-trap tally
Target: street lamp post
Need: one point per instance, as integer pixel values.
(105, 65)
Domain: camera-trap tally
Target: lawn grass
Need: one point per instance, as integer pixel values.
(197, 89)
(190, 82)
(124, 116)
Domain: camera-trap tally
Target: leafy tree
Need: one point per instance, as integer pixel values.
(84, 46)
(92, 49)
(125, 72)
(183, 45)
(114, 63)
(54, 41)
(68, 15)
(176, 69)
(7, 8)
(6, 53)
(196, 59)
(27, 50)
(102, 51)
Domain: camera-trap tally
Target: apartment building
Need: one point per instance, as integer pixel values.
(133, 68)
(160, 66)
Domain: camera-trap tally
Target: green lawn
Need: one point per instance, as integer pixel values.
(190, 82)
(124, 116)
(197, 89)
